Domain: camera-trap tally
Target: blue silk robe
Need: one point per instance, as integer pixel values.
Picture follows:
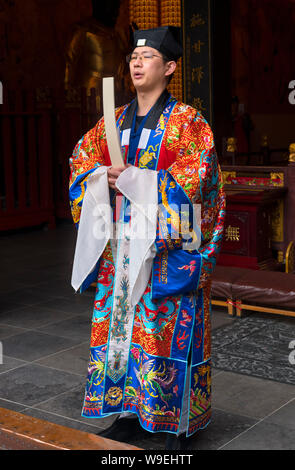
(170, 325)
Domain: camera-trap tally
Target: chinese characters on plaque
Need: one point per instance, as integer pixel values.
(197, 56)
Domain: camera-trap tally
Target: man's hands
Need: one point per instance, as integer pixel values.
(113, 174)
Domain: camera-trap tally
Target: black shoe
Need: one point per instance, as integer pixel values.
(123, 429)
(174, 442)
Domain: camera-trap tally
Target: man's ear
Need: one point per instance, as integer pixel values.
(170, 68)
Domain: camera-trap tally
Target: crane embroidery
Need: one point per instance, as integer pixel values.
(157, 383)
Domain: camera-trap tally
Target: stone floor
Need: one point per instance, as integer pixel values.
(44, 334)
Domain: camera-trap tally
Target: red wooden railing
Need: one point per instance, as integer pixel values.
(36, 141)
(25, 150)
(72, 117)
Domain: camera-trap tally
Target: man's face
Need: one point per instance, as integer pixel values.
(149, 71)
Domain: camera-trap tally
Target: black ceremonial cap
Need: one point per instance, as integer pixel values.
(166, 39)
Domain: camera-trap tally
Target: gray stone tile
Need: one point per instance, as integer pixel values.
(220, 319)
(56, 287)
(249, 396)
(30, 276)
(78, 327)
(9, 363)
(285, 416)
(10, 405)
(70, 404)
(150, 441)
(217, 322)
(6, 330)
(264, 436)
(32, 384)
(34, 345)
(222, 428)
(44, 260)
(75, 304)
(28, 296)
(34, 316)
(215, 372)
(6, 286)
(62, 270)
(8, 306)
(73, 360)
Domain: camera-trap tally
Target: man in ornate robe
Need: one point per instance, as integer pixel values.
(150, 340)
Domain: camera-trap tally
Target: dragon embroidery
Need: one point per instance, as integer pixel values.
(118, 330)
(177, 220)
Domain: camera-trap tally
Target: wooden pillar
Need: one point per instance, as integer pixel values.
(153, 13)
(170, 14)
(145, 14)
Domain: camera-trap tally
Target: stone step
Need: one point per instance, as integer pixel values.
(22, 432)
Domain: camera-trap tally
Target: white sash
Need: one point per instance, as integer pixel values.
(96, 229)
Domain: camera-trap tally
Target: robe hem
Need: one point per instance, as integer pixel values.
(190, 432)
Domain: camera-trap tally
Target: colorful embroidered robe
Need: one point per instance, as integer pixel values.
(170, 325)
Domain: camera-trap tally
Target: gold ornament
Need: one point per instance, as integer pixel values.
(114, 396)
(231, 144)
(290, 258)
(292, 153)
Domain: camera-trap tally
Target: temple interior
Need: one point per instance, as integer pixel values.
(238, 70)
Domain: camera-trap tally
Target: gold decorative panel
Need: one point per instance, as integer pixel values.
(151, 14)
(277, 222)
(144, 13)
